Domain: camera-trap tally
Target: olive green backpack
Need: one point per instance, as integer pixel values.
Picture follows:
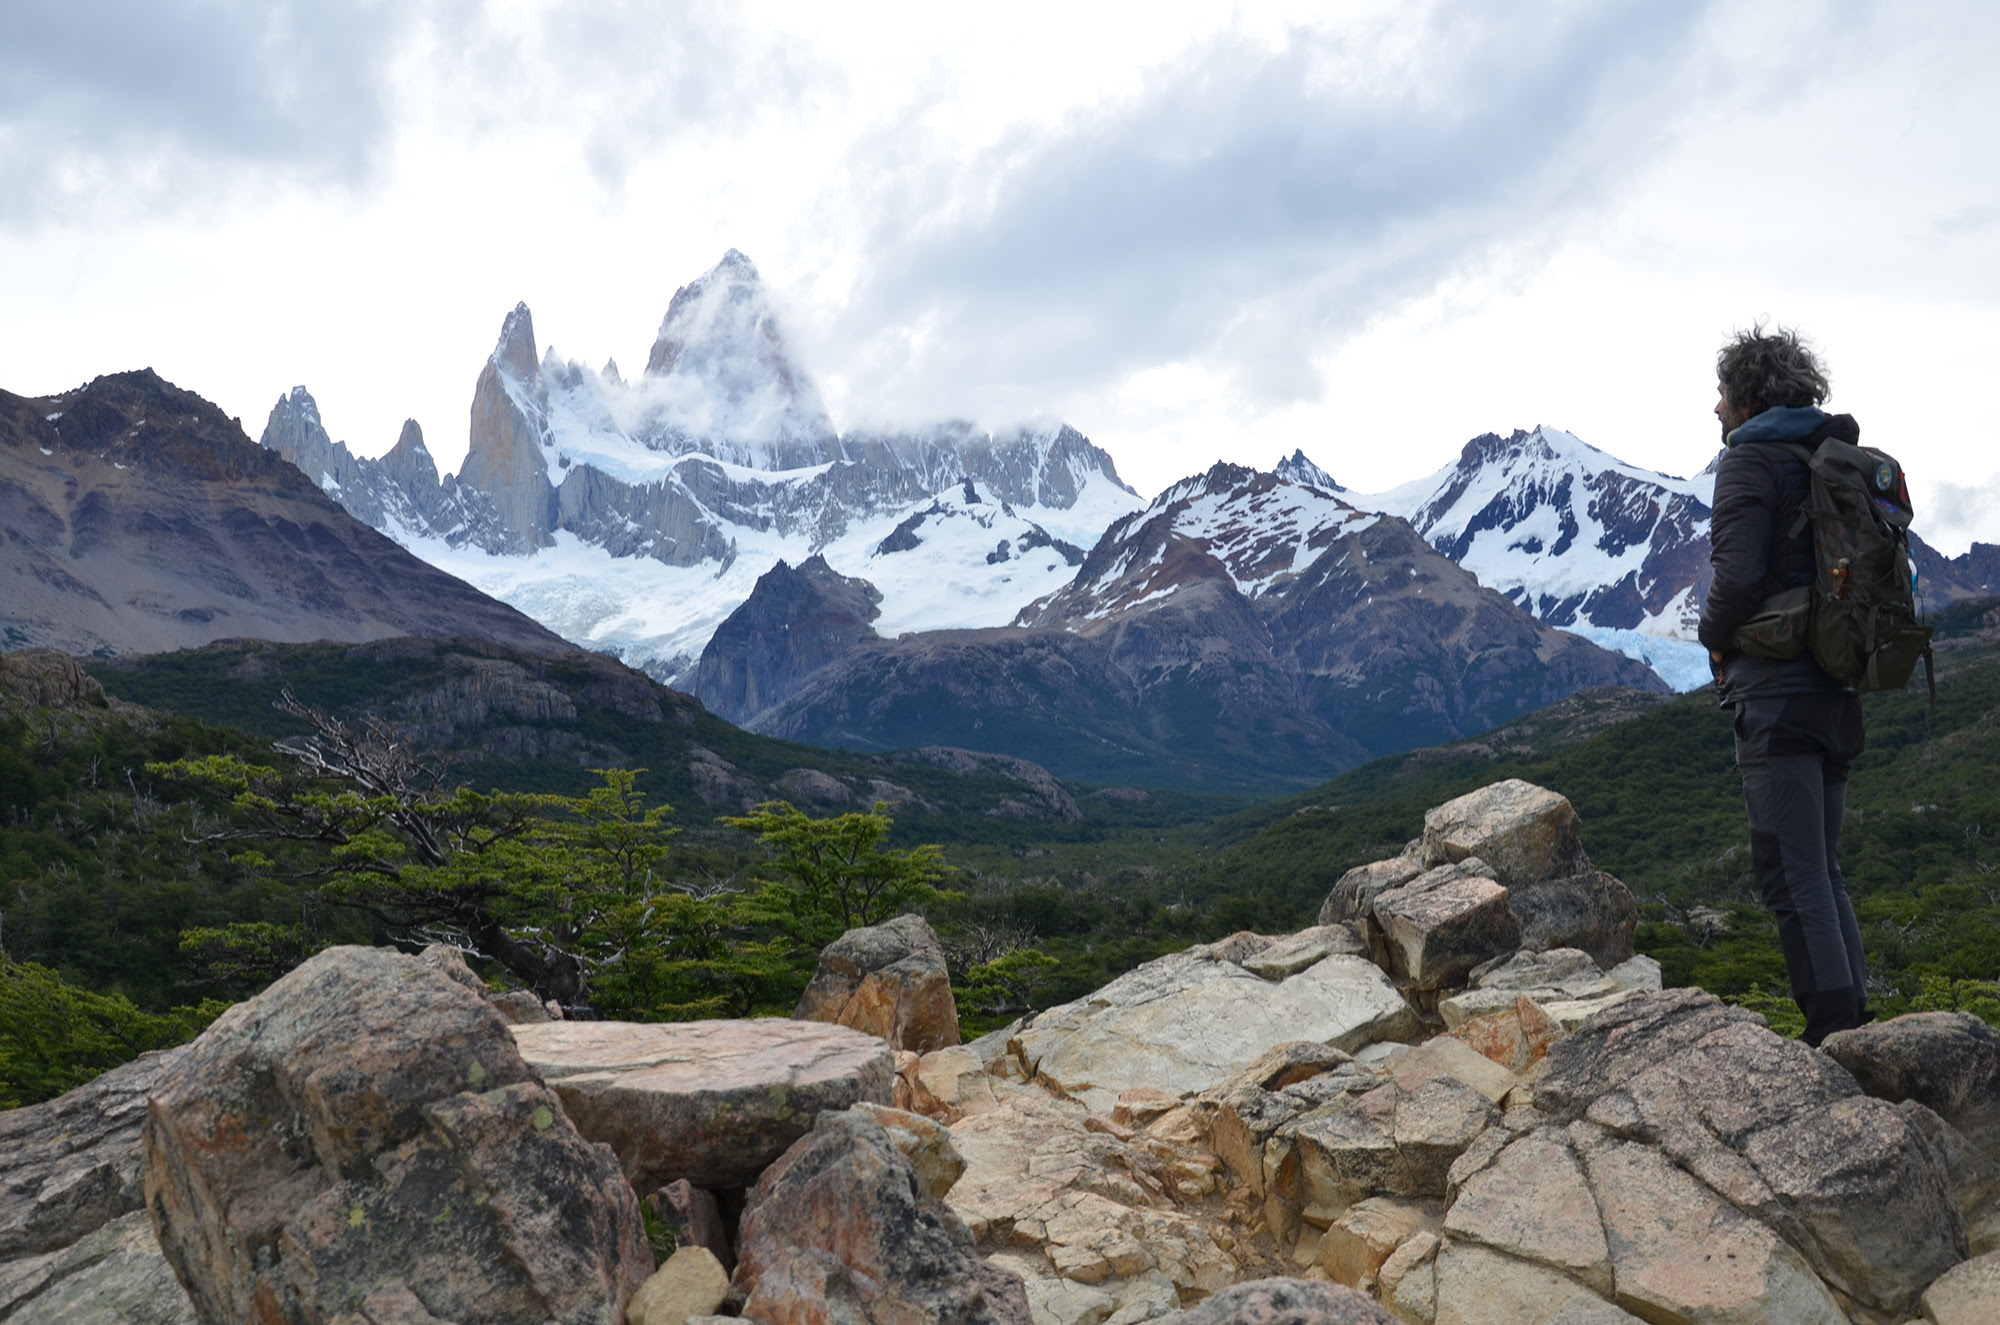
(1859, 616)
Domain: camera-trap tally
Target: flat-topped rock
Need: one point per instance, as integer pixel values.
(710, 1101)
(1187, 1022)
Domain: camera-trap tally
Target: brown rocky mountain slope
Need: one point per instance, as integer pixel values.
(138, 518)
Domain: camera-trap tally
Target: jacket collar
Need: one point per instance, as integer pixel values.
(1780, 423)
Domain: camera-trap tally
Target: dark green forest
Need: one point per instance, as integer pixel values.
(131, 913)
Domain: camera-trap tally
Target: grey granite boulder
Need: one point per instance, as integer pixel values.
(1589, 910)
(1523, 832)
(1770, 1128)
(1445, 922)
(1947, 1061)
(1187, 1022)
(1353, 897)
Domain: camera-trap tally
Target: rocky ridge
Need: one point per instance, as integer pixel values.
(1242, 628)
(1598, 1149)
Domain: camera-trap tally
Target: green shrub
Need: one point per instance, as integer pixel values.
(55, 1036)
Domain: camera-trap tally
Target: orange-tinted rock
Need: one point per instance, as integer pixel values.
(709, 1101)
(1516, 1038)
(1366, 1235)
(888, 980)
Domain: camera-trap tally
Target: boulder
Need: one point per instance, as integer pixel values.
(1353, 896)
(839, 1229)
(1966, 1294)
(1446, 921)
(1523, 832)
(1949, 1062)
(364, 1128)
(1681, 1253)
(692, 1215)
(1407, 1281)
(1288, 956)
(925, 1144)
(1975, 1177)
(1367, 1233)
(1449, 1056)
(1284, 1302)
(691, 1283)
(1589, 910)
(1564, 983)
(1516, 1037)
(888, 980)
(1187, 1022)
(947, 1084)
(710, 1101)
(1769, 1129)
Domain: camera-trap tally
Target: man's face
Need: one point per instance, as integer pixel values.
(1732, 417)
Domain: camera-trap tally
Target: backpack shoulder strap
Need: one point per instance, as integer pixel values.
(1805, 455)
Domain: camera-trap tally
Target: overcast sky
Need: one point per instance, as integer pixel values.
(1371, 231)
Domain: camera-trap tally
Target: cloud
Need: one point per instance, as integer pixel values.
(1960, 513)
(151, 105)
(135, 97)
(1251, 202)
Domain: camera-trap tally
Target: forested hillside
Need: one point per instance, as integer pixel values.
(114, 869)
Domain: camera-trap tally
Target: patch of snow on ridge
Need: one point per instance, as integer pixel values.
(1682, 664)
(1261, 534)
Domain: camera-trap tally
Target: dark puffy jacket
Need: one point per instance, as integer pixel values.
(1759, 488)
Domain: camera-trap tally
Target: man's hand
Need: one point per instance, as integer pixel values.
(1715, 665)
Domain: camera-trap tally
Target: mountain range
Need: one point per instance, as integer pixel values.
(633, 517)
(1243, 632)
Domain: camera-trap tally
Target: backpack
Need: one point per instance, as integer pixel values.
(1859, 617)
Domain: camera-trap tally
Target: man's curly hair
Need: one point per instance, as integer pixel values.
(1759, 370)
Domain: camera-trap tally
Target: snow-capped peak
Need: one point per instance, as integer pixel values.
(1261, 529)
(1299, 469)
(1573, 534)
(720, 371)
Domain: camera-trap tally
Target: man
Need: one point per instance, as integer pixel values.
(1798, 731)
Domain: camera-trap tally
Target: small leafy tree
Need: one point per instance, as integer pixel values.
(996, 992)
(558, 890)
(833, 875)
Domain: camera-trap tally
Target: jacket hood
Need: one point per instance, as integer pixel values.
(1780, 423)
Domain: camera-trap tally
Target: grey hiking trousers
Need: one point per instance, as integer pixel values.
(1795, 752)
